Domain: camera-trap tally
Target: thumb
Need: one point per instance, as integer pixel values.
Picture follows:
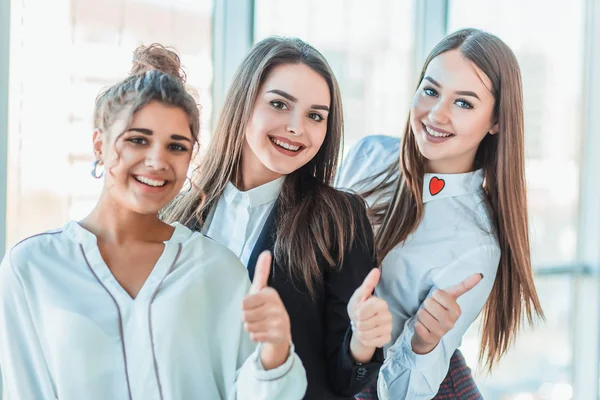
(261, 273)
(369, 284)
(463, 287)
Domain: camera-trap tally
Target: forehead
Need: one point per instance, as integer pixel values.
(301, 81)
(162, 118)
(455, 72)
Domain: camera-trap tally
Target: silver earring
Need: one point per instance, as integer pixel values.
(95, 172)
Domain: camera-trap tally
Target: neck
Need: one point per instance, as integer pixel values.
(450, 166)
(253, 173)
(112, 223)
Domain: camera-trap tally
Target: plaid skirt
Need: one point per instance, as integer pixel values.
(458, 384)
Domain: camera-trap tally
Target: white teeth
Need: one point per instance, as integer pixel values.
(286, 146)
(150, 182)
(437, 134)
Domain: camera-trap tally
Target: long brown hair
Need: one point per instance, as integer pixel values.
(315, 222)
(502, 158)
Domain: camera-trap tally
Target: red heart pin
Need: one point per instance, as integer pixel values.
(436, 185)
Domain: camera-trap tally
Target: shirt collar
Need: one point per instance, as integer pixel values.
(79, 234)
(255, 197)
(439, 186)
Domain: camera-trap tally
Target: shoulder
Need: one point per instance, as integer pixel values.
(213, 256)
(369, 157)
(45, 244)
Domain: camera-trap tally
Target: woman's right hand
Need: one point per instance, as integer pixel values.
(438, 315)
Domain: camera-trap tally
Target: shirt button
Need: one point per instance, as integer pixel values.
(361, 373)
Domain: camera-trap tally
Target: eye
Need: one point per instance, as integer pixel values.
(430, 92)
(138, 140)
(464, 104)
(316, 117)
(279, 105)
(177, 147)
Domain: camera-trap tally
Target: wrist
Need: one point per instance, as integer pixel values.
(273, 355)
(359, 352)
(421, 348)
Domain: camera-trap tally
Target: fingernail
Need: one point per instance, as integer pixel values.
(481, 275)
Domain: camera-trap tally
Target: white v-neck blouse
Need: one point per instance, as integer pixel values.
(69, 331)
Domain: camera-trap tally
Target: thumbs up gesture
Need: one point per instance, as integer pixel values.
(371, 319)
(439, 314)
(265, 317)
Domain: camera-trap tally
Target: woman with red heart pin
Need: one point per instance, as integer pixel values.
(448, 204)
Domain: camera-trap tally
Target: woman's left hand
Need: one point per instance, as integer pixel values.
(371, 319)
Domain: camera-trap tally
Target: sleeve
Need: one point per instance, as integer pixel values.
(368, 158)
(406, 374)
(288, 381)
(348, 377)
(24, 372)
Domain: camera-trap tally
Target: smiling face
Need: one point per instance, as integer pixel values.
(288, 123)
(146, 166)
(451, 113)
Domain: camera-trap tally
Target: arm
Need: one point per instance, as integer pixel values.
(348, 376)
(406, 374)
(22, 364)
(273, 370)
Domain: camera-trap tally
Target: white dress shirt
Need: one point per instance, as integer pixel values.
(454, 240)
(239, 217)
(69, 331)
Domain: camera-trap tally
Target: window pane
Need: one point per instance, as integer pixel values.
(370, 47)
(63, 53)
(539, 366)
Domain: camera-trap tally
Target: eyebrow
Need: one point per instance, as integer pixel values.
(150, 133)
(460, 92)
(295, 100)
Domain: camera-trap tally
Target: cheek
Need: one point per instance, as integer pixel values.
(316, 137)
(470, 126)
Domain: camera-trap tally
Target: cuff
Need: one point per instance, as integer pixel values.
(276, 373)
(361, 372)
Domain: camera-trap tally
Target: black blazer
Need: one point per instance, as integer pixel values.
(321, 328)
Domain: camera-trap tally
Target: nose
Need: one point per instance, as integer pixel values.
(296, 125)
(439, 113)
(157, 159)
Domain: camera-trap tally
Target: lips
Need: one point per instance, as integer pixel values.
(150, 182)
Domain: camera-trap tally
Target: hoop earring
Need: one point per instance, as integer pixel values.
(95, 173)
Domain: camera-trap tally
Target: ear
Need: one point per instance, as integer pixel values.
(98, 140)
(495, 129)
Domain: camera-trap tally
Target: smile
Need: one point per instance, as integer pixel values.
(436, 133)
(149, 182)
(284, 145)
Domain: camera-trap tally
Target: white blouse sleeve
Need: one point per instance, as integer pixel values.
(407, 375)
(25, 375)
(288, 381)
(368, 158)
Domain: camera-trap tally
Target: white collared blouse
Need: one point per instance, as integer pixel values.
(69, 331)
(455, 239)
(239, 217)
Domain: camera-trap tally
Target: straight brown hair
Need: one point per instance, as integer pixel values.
(316, 223)
(502, 158)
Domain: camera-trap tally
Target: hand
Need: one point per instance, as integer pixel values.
(371, 319)
(439, 314)
(265, 317)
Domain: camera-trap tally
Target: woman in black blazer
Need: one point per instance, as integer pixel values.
(264, 184)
